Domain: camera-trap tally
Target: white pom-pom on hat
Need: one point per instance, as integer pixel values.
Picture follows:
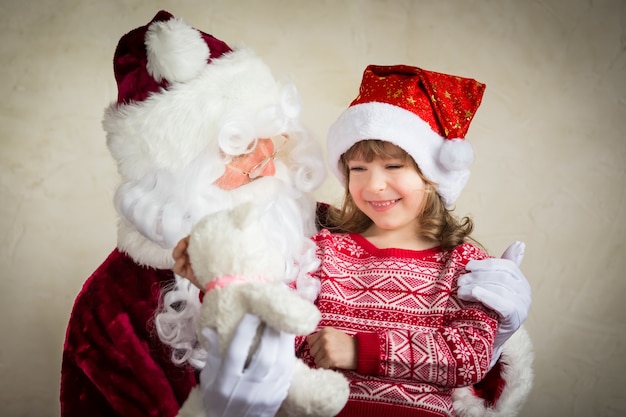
(456, 154)
(175, 51)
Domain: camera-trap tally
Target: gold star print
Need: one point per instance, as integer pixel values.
(447, 94)
(398, 93)
(411, 100)
(468, 114)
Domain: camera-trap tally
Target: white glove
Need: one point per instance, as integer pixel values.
(230, 389)
(500, 285)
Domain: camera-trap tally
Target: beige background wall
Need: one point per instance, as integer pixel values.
(549, 140)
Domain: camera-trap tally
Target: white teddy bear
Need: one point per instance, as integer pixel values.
(244, 273)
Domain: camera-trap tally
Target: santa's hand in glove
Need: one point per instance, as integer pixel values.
(499, 284)
(231, 387)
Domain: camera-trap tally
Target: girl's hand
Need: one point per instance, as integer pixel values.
(332, 348)
(182, 264)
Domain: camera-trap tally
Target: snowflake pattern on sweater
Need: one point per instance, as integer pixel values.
(416, 340)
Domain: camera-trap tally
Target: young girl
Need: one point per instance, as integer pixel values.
(390, 313)
(391, 316)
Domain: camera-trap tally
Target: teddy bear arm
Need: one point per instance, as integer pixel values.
(282, 309)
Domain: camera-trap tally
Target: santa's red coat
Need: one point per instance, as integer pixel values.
(113, 361)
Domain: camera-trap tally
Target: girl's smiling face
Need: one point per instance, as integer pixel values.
(388, 190)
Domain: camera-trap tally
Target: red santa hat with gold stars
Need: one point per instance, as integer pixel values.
(425, 113)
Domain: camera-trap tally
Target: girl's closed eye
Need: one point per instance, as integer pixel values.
(356, 168)
(394, 166)
(394, 163)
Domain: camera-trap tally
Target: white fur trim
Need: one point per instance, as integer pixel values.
(175, 51)
(403, 128)
(143, 251)
(517, 358)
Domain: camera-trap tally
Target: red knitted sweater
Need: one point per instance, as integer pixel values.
(416, 340)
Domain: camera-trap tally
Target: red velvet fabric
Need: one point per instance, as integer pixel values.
(113, 362)
(490, 388)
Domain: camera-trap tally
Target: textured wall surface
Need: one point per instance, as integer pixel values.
(549, 142)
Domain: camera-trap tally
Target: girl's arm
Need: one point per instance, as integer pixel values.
(456, 354)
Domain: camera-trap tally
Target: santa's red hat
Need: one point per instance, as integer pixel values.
(165, 51)
(425, 113)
